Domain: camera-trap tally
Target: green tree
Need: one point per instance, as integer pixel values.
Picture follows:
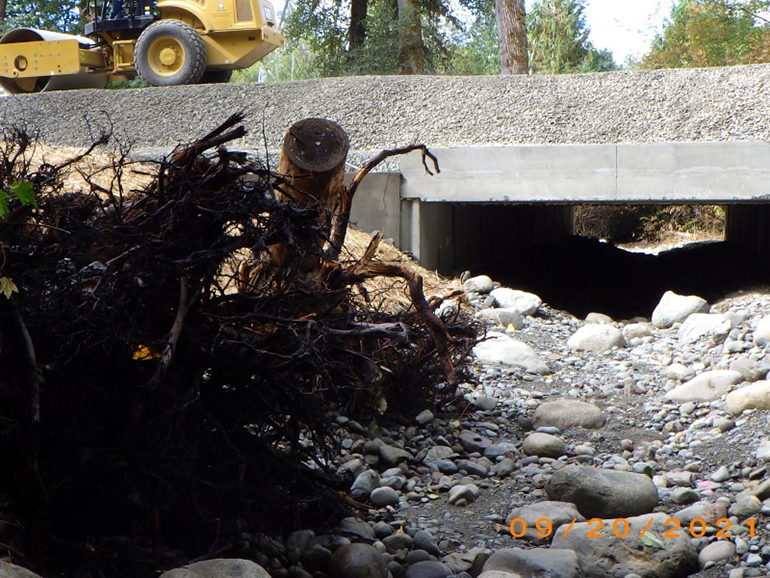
(57, 15)
(702, 33)
(409, 36)
(558, 39)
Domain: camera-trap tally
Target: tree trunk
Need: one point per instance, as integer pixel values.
(512, 36)
(411, 53)
(357, 28)
(3, 4)
(313, 165)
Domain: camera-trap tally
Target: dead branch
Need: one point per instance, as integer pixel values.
(342, 217)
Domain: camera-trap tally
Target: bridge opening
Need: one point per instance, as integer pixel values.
(535, 247)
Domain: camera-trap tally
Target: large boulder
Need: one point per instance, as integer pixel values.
(596, 337)
(502, 316)
(762, 332)
(479, 284)
(527, 517)
(700, 325)
(8, 570)
(707, 386)
(600, 493)
(535, 562)
(499, 348)
(753, 396)
(523, 302)
(629, 546)
(543, 445)
(567, 413)
(357, 561)
(673, 308)
(218, 567)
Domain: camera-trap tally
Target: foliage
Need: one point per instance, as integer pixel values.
(477, 51)
(701, 33)
(558, 39)
(319, 29)
(627, 223)
(53, 15)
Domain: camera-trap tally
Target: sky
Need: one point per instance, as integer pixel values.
(625, 27)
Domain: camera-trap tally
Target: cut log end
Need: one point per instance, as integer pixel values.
(317, 145)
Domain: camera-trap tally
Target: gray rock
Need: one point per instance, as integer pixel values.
(8, 570)
(745, 507)
(557, 513)
(525, 303)
(363, 485)
(699, 325)
(484, 402)
(753, 396)
(721, 475)
(424, 540)
(600, 493)
(554, 563)
(474, 442)
(683, 496)
(463, 494)
(716, 552)
(357, 561)
(636, 331)
(762, 332)
(707, 386)
(428, 569)
(543, 445)
(679, 372)
(424, 417)
(217, 568)
(500, 449)
(708, 512)
(384, 496)
(642, 552)
(499, 348)
(596, 337)
(504, 467)
(479, 284)
(398, 541)
(567, 413)
(498, 574)
(438, 453)
(599, 318)
(763, 451)
(356, 528)
(673, 308)
(392, 456)
(502, 316)
(315, 557)
(750, 369)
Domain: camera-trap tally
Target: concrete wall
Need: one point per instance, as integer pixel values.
(377, 205)
(714, 172)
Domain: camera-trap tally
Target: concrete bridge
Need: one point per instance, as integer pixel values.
(517, 153)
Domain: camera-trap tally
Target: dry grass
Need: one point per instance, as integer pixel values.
(390, 295)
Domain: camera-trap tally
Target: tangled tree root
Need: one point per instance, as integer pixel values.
(150, 414)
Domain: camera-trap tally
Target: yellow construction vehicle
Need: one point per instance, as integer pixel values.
(170, 42)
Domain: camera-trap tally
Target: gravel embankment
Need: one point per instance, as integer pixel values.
(717, 104)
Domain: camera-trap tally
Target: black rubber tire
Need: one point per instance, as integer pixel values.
(181, 35)
(216, 77)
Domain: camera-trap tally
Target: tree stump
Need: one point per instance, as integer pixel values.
(312, 165)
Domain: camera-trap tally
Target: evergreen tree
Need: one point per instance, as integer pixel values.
(558, 39)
